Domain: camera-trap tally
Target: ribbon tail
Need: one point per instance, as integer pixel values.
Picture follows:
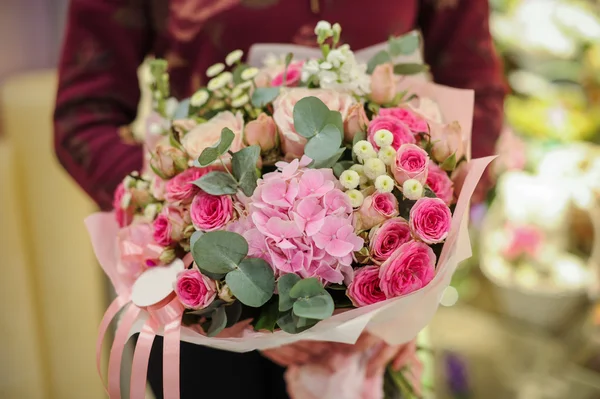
(171, 359)
(116, 352)
(141, 356)
(117, 304)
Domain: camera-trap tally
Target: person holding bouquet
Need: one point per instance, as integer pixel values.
(98, 94)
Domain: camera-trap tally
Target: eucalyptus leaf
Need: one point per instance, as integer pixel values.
(244, 168)
(284, 285)
(317, 307)
(410, 69)
(404, 45)
(219, 251)
(218, 322)
(303, 323)
(233, 311)
(209, 309)
(306, 288)
(227, 137)
(183, 109)
(341, 166)
(329, 162)
(381, 57)
(310, 116)
(217, 183)
(335, 119)
(264, 95)
(287, 323)
(208, 156)
(252, 283)
(325, 144)
(268, 316)
(195, 236)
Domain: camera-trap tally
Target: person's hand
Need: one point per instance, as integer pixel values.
(384, 354)
(301, 352)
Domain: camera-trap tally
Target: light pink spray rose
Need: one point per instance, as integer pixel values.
(411, 163)
(169, 225)
(181, 189)
(208, 133)
(262, 132)
(440, 183)
(137, 247)
(211, 212)
(402, 134)
(375, 209)
(430, 220)
(292, 79)
(410, 268)
(447, 140)
(124, 216)
(384, 240)
(168, 160)
(415, 123)
(364, 289)
(355, 122)
(292, 143)
(195, 290)
(383, 87)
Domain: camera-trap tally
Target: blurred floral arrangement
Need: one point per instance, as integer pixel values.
(551, 51)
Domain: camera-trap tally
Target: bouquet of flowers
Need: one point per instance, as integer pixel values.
(308, 199)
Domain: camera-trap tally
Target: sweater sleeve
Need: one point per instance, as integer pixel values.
(460, 51)
(98, 93)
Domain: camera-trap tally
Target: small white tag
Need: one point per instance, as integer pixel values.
(155, 284)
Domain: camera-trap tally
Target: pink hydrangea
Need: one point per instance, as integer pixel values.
(302, 223)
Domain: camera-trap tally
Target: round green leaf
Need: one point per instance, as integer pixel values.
(317, 307)
(219, 251)
(217, 183)
(244, 168)
(218, 322)
(380, 58)
(233, 311)
(310, 115)
(264, 95)
(405, 45)
(208, 156)
(325, 144)
(306, 288)
(252, 282)
(410, 69)
(284, 285)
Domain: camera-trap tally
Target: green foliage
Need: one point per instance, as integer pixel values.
(219, 251)
(252, 282)
(264, 95)
(217, 183)
(244, 168)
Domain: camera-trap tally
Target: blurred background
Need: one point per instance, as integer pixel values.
(521, 319)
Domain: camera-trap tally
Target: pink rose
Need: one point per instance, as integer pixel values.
(364, 289)
(262, 132)
(181, 189)
(168, 160)
(209, 133)
(211, 212)
(411, 163)
(446, 140)
(430, 220)
(169, 225)
(195, 290)
(124, 216)
(387, 238)
(402, 134)
(292, 79)
(375, 209)
(440, 183)
(292, 143)
(410, 268)
(355, 122)
(414, 122)
(383, 87)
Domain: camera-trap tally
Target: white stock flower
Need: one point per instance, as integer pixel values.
(384, 184)
(356, 198)
(350, 179)
(323, 27)
(387, 155)
(384, 138)
(374, 168)
(215, 69)
(336, 58)
(326, 65)
(234, 57)
(412, 189)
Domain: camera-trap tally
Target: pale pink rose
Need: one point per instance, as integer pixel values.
(375, 209)
(402, 134)
(124, 216)
(415, 123)
(181, 189)
(168, 160)
(185, 124)
(355, 122)
(262, 132)
(440, 183)
(447, 140)
(170, 224)
(211, 212)
(292, 144)
(430, 220)
(383, 86)
(294, 73)
(411, 163)
(195, 290)
(385, 239)
(410, 268)
(427, 108)
(157, 188)
(364, 289)
(209, 133)
(137, 247)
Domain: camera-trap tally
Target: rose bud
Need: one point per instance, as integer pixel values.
(168, 161)
(383, 88)
(262, 132)
(355, 122)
